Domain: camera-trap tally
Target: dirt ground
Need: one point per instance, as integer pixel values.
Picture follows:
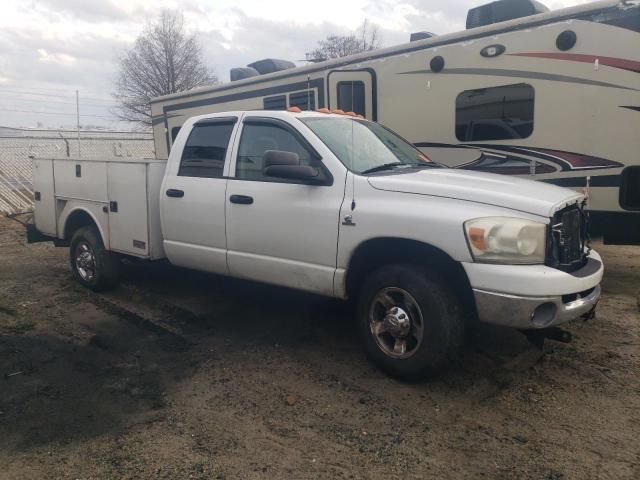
(181, 375)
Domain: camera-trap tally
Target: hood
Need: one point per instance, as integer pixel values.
(500, 190)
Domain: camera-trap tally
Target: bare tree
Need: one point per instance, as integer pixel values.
(164, 59)
(366, 38)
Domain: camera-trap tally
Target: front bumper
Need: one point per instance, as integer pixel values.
(534, 312)
(535, 296)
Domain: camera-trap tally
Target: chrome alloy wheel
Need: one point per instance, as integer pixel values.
(396, 322)
(85, 261)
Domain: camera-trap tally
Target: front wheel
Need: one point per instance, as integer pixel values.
(409, 321)
(93, 265)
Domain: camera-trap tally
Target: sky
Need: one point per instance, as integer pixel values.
(51, 48)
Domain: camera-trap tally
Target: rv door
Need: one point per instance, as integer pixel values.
(353, 91)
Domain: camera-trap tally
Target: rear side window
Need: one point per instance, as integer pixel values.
(351, 97)
(205, 150)
(256, 139)
(496, 113)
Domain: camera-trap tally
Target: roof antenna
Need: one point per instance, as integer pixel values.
(353, 177)
(308, 92)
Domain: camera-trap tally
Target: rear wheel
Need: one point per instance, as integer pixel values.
(92, 265)
(410, 323)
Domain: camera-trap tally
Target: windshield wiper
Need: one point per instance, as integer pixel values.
(424, 164)
(386, 166)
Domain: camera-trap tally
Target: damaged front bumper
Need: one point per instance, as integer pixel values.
(535, 296)
(535, 312)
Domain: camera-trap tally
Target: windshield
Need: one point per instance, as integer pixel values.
(366, 147)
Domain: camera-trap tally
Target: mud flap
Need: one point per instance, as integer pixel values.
(34, 236)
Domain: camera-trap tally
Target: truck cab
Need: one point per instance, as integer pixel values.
(337, 205)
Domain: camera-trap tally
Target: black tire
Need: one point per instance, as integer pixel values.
(105, 273)
(441, 317)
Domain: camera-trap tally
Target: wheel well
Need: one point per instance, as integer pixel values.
(77, 220)
(378, 252)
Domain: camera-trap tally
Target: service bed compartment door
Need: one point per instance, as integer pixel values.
(128, 224)
(81, 180)
(44, 197)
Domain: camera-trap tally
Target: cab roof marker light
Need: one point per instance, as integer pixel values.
(294, 110)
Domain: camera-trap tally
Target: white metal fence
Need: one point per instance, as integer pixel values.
(19, 147)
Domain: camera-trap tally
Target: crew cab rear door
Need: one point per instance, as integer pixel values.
(282, 232)
(192, 198)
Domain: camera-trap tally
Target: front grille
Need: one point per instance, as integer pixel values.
(568, 239)
(575, 296)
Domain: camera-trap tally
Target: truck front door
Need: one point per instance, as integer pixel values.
(282, 232)
(192, 204)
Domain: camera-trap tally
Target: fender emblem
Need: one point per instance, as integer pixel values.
(348, 220)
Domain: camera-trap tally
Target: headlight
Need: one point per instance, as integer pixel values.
(506, 240)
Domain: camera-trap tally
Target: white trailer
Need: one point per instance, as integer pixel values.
(550, 96)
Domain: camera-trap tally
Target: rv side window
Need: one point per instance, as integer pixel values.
(351, 97)
(630, 188)
(303, 100)
(496, 113)
(205, 150)
(174, 133)
(277, 102)
(256, 139)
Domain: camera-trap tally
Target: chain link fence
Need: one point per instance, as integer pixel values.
(19, 147)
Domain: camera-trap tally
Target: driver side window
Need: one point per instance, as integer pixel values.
(256, 139)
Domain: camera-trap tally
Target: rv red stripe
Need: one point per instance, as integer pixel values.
(621, 63)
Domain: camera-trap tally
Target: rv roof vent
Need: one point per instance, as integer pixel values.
(270, 65)
(420, 36)
(503, 10)
(241, 73)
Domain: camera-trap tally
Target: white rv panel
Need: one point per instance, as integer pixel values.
(44, 193)
(81, 179)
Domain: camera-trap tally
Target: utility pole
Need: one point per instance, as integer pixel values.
(78, 120)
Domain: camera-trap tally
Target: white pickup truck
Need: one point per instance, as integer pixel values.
(339, 206)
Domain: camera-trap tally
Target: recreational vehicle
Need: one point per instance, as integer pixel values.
(547, 95)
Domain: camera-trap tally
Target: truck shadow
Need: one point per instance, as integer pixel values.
(250, 314)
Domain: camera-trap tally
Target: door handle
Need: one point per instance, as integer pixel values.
(172, 192)
(241, 199)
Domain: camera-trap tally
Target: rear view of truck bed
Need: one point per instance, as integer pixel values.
(121, 197)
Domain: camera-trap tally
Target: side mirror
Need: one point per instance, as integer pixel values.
(286, 165)
(280, 157)
(294, 172)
